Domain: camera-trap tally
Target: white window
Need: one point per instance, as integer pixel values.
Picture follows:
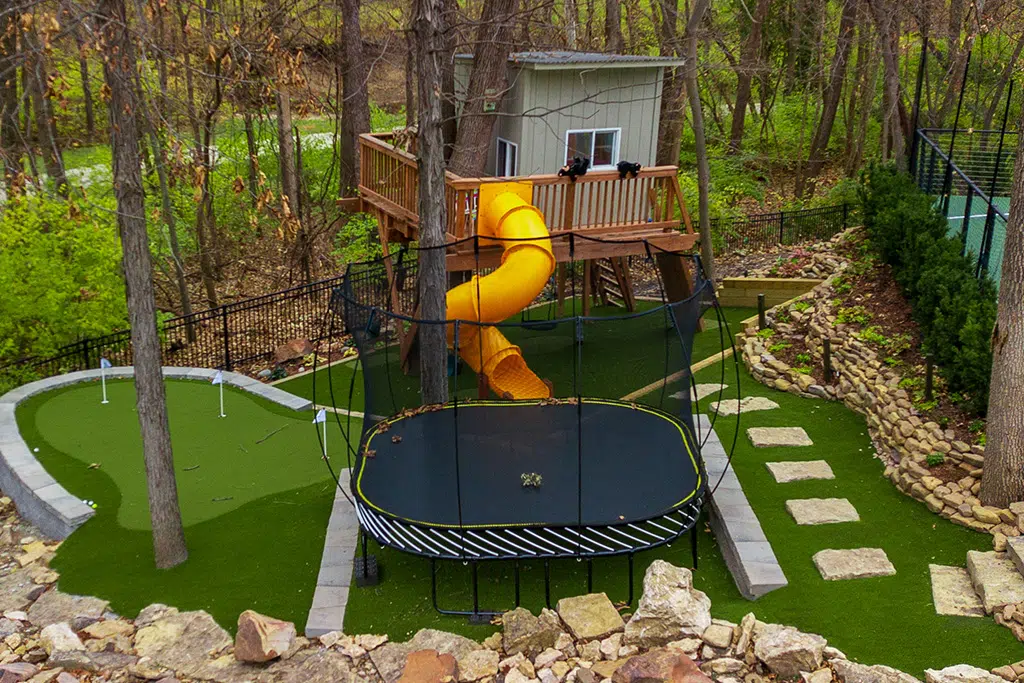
(507, 158)
(600, 145)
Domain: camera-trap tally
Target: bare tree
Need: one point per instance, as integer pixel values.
(750, 58)
(42, 106)
(1003, 480)
(487, 85)
(703, 171)
(431, 51)
(613, 41)
(355, 108)
(9, 134)
(120, 73)
(884, 14)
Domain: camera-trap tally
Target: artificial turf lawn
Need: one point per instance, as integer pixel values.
(617, 356)
(889, 620)
(255, 511)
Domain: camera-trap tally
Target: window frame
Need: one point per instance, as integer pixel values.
(593, 142)
(497, 146)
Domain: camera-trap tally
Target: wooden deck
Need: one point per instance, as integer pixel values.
(601, 205)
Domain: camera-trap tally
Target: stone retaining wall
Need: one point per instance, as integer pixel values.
(40, 499)
(742, 291)
(902, 438)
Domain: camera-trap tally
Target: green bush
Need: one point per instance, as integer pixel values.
(955, 310)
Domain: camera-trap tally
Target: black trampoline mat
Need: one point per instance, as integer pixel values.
(637, 464)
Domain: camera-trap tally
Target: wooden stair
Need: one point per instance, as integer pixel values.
(610, 277)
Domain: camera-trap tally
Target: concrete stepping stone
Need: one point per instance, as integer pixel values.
(700, 391)
(767, 437)
(814, 511)
(952, 592)
(995, 578)
(800, 470)
(748, 404)
(856, 563)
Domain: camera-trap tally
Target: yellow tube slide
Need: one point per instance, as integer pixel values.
(505, 214)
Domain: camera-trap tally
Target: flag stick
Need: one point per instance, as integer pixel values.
(325, 439)
(222, 398)
(103, 381)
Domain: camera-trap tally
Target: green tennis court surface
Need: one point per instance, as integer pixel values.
(974, 223)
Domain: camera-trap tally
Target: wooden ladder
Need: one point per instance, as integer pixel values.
(611, 282)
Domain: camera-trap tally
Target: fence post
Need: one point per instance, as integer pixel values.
(826, 355)
(846, 215)
(986, 244)
(85, 354)
(967, 220)
(929, 374)
(227, 344)
(782, 225)
(762, 321)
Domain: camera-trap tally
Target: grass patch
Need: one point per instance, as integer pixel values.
(255, 509)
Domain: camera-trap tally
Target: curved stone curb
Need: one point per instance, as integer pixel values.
(40, 499)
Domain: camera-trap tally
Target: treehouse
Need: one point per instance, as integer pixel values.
(559, 106)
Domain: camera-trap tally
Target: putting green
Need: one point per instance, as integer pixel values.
(255, 498)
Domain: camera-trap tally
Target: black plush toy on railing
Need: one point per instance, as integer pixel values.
(575, 169)
(628, 168)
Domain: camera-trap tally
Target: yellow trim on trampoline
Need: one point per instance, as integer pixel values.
(668, 417)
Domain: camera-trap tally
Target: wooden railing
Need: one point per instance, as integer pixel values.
(599, 203)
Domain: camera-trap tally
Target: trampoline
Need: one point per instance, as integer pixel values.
(529, 458)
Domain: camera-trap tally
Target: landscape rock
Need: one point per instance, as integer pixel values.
(952, 592)
(181, 641)
(390, 659)
(660, 665)
(429, 666)
(59, 637)
(856, 563)
(852, 672)
(261, 638)
(17, 590)
(322, 666)
(813, 511)
(995, 578)
(590, 616)
(54, 606)
(75, 660)
(787, 651)
(747, 404)
(529, 634)
(961, 673)
(800, 470)
(477, 664)
(291, 350)
(770, 437)
(669, 609)
(718, 636)
(106, 629)
(15, 672)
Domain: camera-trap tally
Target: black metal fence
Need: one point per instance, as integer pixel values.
(230, 336)
(970, 174)
(766, 230)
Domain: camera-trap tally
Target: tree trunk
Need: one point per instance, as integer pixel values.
(46, 124)
(1004, 79)
(697, 115)
(168, 534)
(670, 116)
(448, 44)
(10, 147)
(613, 41)
(750, 58)
(355, 110)
(431, 50)
(1003, 480)
(250, 145)
(884, 12)
(487, 85)
(823, 133)
(83, 70)
(572, 23)
(410, 80)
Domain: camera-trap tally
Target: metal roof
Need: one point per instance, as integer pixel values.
(556, 59)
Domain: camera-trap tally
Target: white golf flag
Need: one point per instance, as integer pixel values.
(104, 364)
(321, 416)
(219, 377)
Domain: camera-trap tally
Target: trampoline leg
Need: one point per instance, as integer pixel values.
(476, 617)
(693, 546)
(629, 598)
(433, 583)
(366, 566)
(547, 583)
(590, 575)
(517, 582)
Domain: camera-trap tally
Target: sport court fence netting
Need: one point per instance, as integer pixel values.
(599, 467)
(970, 172)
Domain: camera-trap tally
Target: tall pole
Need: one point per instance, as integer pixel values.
(917, 103)
(947, 184)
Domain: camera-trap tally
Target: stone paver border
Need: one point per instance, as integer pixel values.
(327, 612)
(40, 499)
(747, 552)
